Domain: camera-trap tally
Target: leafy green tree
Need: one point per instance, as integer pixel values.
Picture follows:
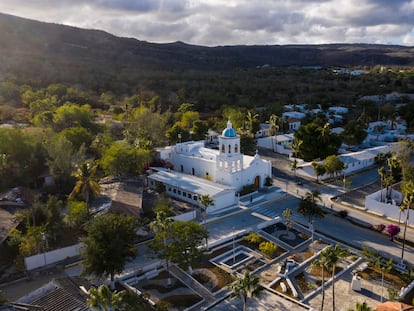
(31, 243)
(78, 136)
(123, 159)
(317, 141)
(354, 132)
(71, 115)
(308, 206)
(77, 214)
(61, 160)
(22, 158)
(246, 286)
(109, 243)
(319, 169)
(184, 247)
(333, 165)
(103, 299)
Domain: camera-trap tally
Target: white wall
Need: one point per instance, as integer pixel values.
(51, 257)
(373, 204)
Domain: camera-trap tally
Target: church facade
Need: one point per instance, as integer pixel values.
(227, 170)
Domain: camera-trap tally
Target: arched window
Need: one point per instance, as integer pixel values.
(222, 148)
(236, 148)
(229, 148)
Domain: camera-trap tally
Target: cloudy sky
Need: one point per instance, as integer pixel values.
(230, 22)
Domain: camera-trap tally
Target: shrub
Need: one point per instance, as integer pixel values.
(268, 248)
(253, 237)
(247, 189)
(393, 230)
(269, 181)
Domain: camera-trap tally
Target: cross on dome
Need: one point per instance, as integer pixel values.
(229, 131)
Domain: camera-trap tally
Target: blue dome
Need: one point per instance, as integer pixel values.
(229, 132)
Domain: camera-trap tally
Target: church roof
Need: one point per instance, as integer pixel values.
(229, 131)
(189, 182)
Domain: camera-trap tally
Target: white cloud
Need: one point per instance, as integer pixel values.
(228, 22)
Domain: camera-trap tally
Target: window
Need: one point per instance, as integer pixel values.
(193, 171)
(175, 190)
(195, 198)
(236, 148)
(189, 196)
(184, 194)
(222, 148)
(182, 168)
(229, 148)
(179, 192)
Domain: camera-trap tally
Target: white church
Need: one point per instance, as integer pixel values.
(198, 170)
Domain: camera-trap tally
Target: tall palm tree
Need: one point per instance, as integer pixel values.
(408, 190)
(206, 201)
(162, 224)
(308, 206)
(334, 255)
(86, 185)
(102, 299)
(324, 133)
(251, 118)
(274, 128)
(322, 263)
(246, 286)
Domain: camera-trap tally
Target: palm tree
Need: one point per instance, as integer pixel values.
(294, 167)
(206, 201)
(308, 206)
(274, 128)
(287, 218)
(102, 299)
(408, 190)
(251, 118)
(322, 263)
(162, 224)
(295, 146)
(324, 133)
(245, 286)
(86, 185)
(334, 255)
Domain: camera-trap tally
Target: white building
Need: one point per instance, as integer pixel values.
(293, 115)
(197, 170)
(338, 110)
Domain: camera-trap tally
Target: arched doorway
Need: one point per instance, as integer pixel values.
(257, 182)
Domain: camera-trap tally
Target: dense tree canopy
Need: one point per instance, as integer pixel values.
(317, 141)
(110, 242)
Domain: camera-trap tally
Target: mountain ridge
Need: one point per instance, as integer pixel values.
(27, 46)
